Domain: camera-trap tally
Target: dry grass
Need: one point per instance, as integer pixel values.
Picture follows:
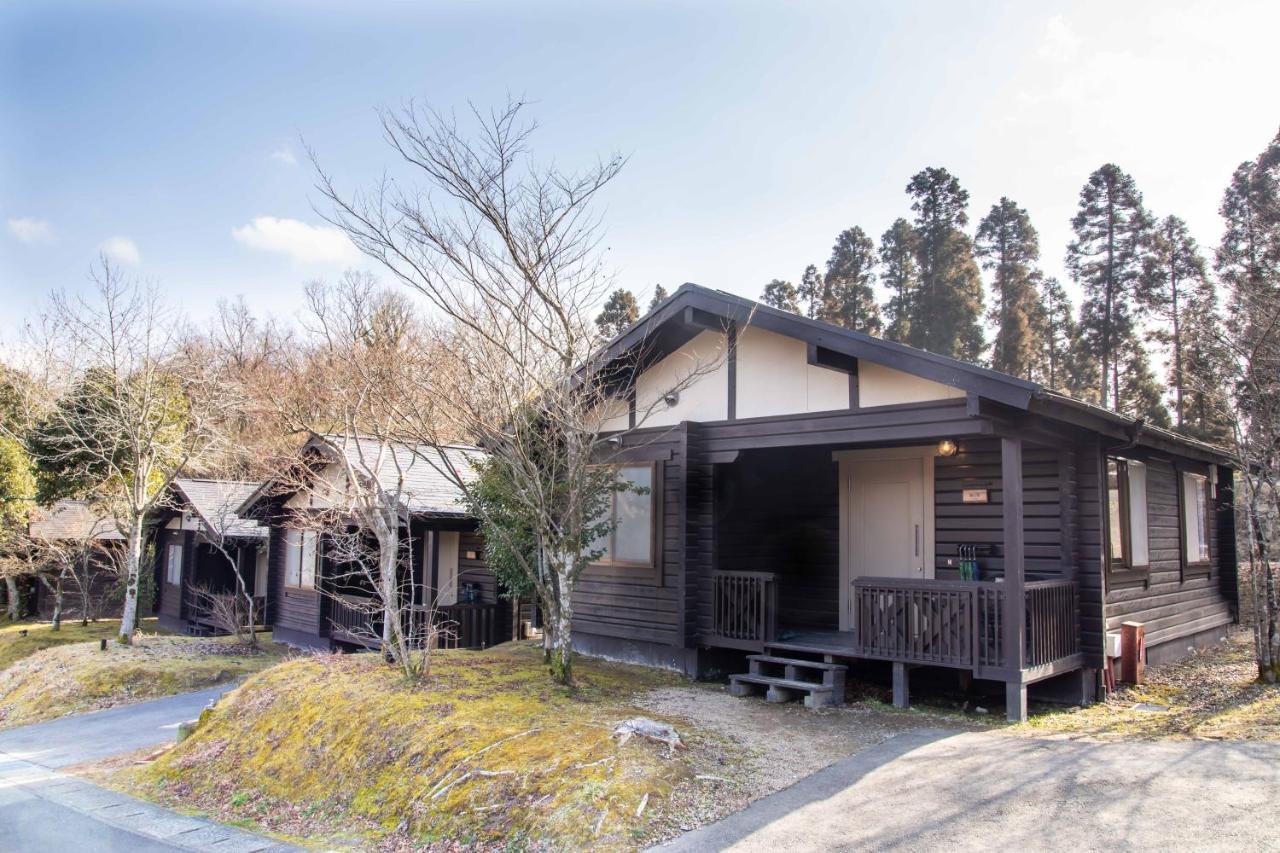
(1212, 694)
(20, 639)
(75, 677)
(488, 752)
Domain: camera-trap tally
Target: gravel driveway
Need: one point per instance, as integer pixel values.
(938, 790)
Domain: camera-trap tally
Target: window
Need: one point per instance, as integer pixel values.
(1127, 515)
(1195, 520)
(300, 558)
(631, 541)
(173, 564)
(260, 571)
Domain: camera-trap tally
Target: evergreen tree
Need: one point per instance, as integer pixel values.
(1204, 408)
(619, 313)
(815, 294)
(1009, 247)
(901, 274)
(1057, 332)
(850, 281)
(1175, 268)
(781, 295)
(659, 294)
(946, 314)
(1106, 260)
(1141, 394)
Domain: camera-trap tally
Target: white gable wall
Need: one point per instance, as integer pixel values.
(707, 396)
(884, 386)
(775, 378)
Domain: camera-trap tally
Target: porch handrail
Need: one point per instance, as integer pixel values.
(744, 609)
(961, 623)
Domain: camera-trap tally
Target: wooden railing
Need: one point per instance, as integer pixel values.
(744, 609)
(960, 623)
(459, 626)
(1053, 626)
(196, 608)
(468, 626)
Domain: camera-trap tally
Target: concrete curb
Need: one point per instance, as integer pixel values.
(133, 815)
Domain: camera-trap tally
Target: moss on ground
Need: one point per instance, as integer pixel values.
(21, 639)
(75, 677)
(1212, 694)
(486, 751)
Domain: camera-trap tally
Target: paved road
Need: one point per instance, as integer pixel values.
(936, 790)
(42, 809)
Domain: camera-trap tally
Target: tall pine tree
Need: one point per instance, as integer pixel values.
(781, 295)
(901, 274)
(1057, 334)
(619, 312)
(1009, 247)
(659, 294)
(1106, 259)
(850, 282)
(815, 295)
(1176, 269)
(946, 313)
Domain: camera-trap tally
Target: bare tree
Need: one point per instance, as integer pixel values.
(507, 252)
(125, 422)
(355, 375)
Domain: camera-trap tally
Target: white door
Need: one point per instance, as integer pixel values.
(447, 568)
(885, 523)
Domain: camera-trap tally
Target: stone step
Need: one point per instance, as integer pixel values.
(794, 669)
(786, 689)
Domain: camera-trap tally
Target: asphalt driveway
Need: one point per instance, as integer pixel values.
(935, 790)
(42, 809)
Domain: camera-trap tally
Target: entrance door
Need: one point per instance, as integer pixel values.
(885, 524)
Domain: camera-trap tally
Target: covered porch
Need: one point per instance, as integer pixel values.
(825, 555)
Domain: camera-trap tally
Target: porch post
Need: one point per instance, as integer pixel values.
(1015, 601)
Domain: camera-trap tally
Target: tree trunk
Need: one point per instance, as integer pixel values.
(13, 605)
(133, 563)
(558, 626)
(57, 605)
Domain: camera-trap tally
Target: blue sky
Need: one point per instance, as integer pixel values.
(168, 133)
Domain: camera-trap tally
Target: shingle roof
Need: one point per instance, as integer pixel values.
(73, 520)
(427, 487)
(216, 502)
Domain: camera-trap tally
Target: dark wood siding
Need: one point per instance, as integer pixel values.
(295, 609)
(640, 604)
(170, 595)
(1091, 506)
(1168, 605)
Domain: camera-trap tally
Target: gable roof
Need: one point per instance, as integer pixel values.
(693, 308)
(217, 503)
(73, 520)
(426, 488)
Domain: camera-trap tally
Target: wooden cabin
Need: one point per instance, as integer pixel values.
(93, 539)
(202, 543)
(820, 497)
(321, 604)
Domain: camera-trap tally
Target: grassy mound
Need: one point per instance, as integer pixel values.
(20, 639)
(68, 679)
(488, 751)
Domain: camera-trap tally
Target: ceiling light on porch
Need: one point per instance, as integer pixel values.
(946, 447)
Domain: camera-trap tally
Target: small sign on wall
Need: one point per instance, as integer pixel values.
(974, 496)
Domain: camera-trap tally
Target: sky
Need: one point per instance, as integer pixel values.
(172, 136)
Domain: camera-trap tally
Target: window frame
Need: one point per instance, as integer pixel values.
(179, 547)
(300, 548)
(1124, 567)
(633, 568)
(1194, 569)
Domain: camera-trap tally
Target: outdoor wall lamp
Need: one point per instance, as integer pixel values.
(946, 447)
(672, 398)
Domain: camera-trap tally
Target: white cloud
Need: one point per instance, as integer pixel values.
(30, 230)
(1060, 42)
(120, 249)
(285, 155)
(308, 244)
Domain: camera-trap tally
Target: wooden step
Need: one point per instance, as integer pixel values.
(785, 689)
(829, 653)
(809, 664)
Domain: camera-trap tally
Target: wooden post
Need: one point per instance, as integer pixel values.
(901, 686)
(1015, 701)
(1133, 652)
(1015, 596)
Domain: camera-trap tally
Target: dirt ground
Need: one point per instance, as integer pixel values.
(782, 743)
